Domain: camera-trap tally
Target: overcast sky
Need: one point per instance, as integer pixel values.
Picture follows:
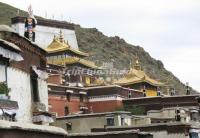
(168, 29)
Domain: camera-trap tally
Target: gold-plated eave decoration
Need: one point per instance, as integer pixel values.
(60, 45)
(136, 75)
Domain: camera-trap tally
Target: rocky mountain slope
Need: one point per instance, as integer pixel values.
(110, 49)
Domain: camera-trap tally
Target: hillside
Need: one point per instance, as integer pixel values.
(107, 49)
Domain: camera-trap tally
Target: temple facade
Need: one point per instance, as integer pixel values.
(68, 72)
(69, 64)
(138, 79)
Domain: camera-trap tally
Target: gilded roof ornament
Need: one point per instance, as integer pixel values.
(137, 64)
(136, 75)
(61, 36)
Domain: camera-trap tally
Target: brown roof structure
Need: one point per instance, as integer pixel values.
(157, 103)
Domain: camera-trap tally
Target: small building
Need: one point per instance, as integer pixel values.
(139, 80)
(175, 114)
(108, 98)
(81, 123)
(65, 100)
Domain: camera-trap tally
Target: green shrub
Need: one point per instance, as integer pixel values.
(4, 88)
(135, 110)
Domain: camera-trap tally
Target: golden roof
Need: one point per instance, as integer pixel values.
(59, 45)
(136, 75)
(73, 60)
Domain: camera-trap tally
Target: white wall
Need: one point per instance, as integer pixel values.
(19, 82)
(43, 92)
(44, 34)
(2, 73)
(164, 134)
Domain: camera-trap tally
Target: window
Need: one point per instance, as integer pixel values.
(177, 116)
(122, 121)
(69, 126)
(81, 98)
(66, 110)
(129, 94)
(68, 97)
(110, 121)
(34, 86)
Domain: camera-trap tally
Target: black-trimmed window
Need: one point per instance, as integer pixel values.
(68, 97)
(69, 126)
(110, 121)
(66, 110)
(34, 87)
(81, 97)
(122, 121)
(129, 94)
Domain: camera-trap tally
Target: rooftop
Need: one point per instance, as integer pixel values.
(109, 133)
(46, 22)
(59, 45)
(31, 127)
(92, 114)
(136, 75)
(74, 60)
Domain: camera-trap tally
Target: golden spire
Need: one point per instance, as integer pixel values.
(61, 37)
(137, 65)
(54, 37)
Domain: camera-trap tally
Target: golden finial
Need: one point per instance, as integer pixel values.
(61, 38)
(54, 37)
(137, 65)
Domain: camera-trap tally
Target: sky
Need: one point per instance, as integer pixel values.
(168, 29)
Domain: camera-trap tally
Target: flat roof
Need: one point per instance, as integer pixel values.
(45, 22)
(109, 133)
(92, 114)
(31, 127)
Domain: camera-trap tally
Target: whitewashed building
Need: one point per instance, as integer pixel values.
(26, 78)
(8, 53)
(81, 123)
